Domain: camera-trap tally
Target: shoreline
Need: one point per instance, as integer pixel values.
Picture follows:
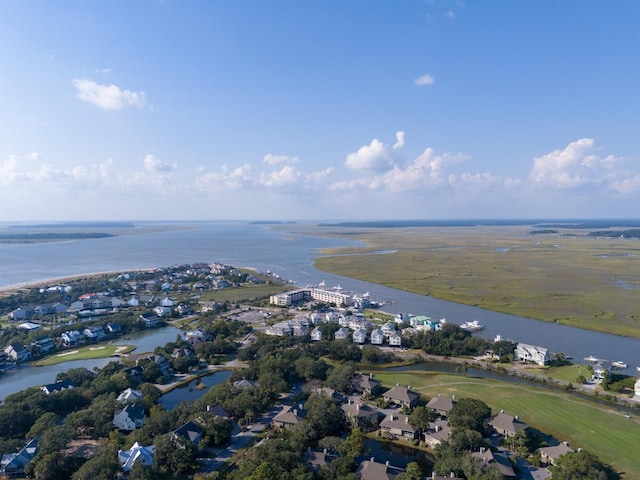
(13, 289)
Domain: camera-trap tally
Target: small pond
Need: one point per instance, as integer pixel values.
(193, 390)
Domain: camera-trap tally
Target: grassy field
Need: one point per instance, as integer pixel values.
(601, 429)
(586, 282)
(84, 353)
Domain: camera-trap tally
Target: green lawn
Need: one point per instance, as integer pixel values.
(600, 429)
(84, 353)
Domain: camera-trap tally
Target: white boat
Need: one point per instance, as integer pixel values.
(619, 364)
(473, 326)
(592, 359)
(638, 369)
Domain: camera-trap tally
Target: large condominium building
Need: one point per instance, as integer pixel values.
(327, 296)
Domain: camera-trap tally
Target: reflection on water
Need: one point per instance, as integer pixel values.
(397, 455)
(194, 390)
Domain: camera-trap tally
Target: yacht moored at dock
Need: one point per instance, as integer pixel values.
(619, 364)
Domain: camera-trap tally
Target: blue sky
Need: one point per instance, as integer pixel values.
(302, 109)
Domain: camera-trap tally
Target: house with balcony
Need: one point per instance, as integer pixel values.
(13, 465)
(377, 337)
(17, 352)
(341, 334)
(71, 338)
(402, 396)
(94, 334)
(137, 454)
(43, 344)
(397, 425)
(532, 354)
(506, 425)
(395, 340)
(129, 418)
(359, 336)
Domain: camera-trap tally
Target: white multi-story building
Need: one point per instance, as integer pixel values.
(531, 353)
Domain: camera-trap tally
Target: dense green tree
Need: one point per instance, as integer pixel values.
(469, 413)
(323, 415)
(46, 421)
(581, 465)
(53, 466)
(174, 455)
(420, 417)
(339, 378)
(104, 466)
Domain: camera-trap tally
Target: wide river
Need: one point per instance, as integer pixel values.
(290, 256)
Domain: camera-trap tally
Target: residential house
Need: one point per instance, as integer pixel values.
(43, 344)
(161, 362)
(18, 352)
(300, 330)
(507, 426)
(217, 411)
(402, 396)
(316, 334)
(114, 328)
(137, 454)
(437, 432)
(280, 329)
(71, 338)
(317, 460)
(395, 339)
(359, 336)
(397, 425)
(77, 306)
(388, 328)
(166, 302)
(487, 459)
(372, 470)
(442, 404)
(129, 396)
(12, 465)
(341, 334)
(549, 455)
(29, 326)
(162, 311)
(129, 418)
(58, 386)
(190, 431)
(331, 394)
(134, 372)
(531, 353)
(601, 370)
(21, 313)
(94, 334)
(150, 322)
(360, 413)
(367, 384)
(244, 384)
(377, 337)
(195, 336)
(289, 416)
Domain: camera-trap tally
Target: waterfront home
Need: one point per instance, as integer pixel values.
(402, 396)
(341, 334)
(150, 322)
(137, 454)
(601, 370)
(360, 414)
(372, 470)
(58, 386)
(18, 352)
(530, 353)
(94, 334)
(396, 425)
(507, 426)
(114, 328)
(359, 336)
(129, 418)
(190, 431)
(549, 455)
(289, 416)
(195, 336)
(442, 404)
(367, 384)
(162, 311)
(437, 432)
(71, 338)
(12, 465)
(43, 344)
(395, 339)
(129, 396)
(377, 337)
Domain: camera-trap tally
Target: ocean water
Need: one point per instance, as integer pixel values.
(291, 256)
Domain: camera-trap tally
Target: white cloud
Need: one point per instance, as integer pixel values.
(399, 140)
(574, 166)
(272, 159)
(153, 164)
(627, 186)
(108, 97)
(374, 156)
(424, 80)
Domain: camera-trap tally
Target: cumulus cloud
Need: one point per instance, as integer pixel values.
(375, 156)
(424, 80)
(108, 97)
(153, 164)
(427, 170)
(272, 159)
(399, 140)
(574, 166)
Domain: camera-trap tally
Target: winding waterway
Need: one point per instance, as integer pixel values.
(290, 256)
